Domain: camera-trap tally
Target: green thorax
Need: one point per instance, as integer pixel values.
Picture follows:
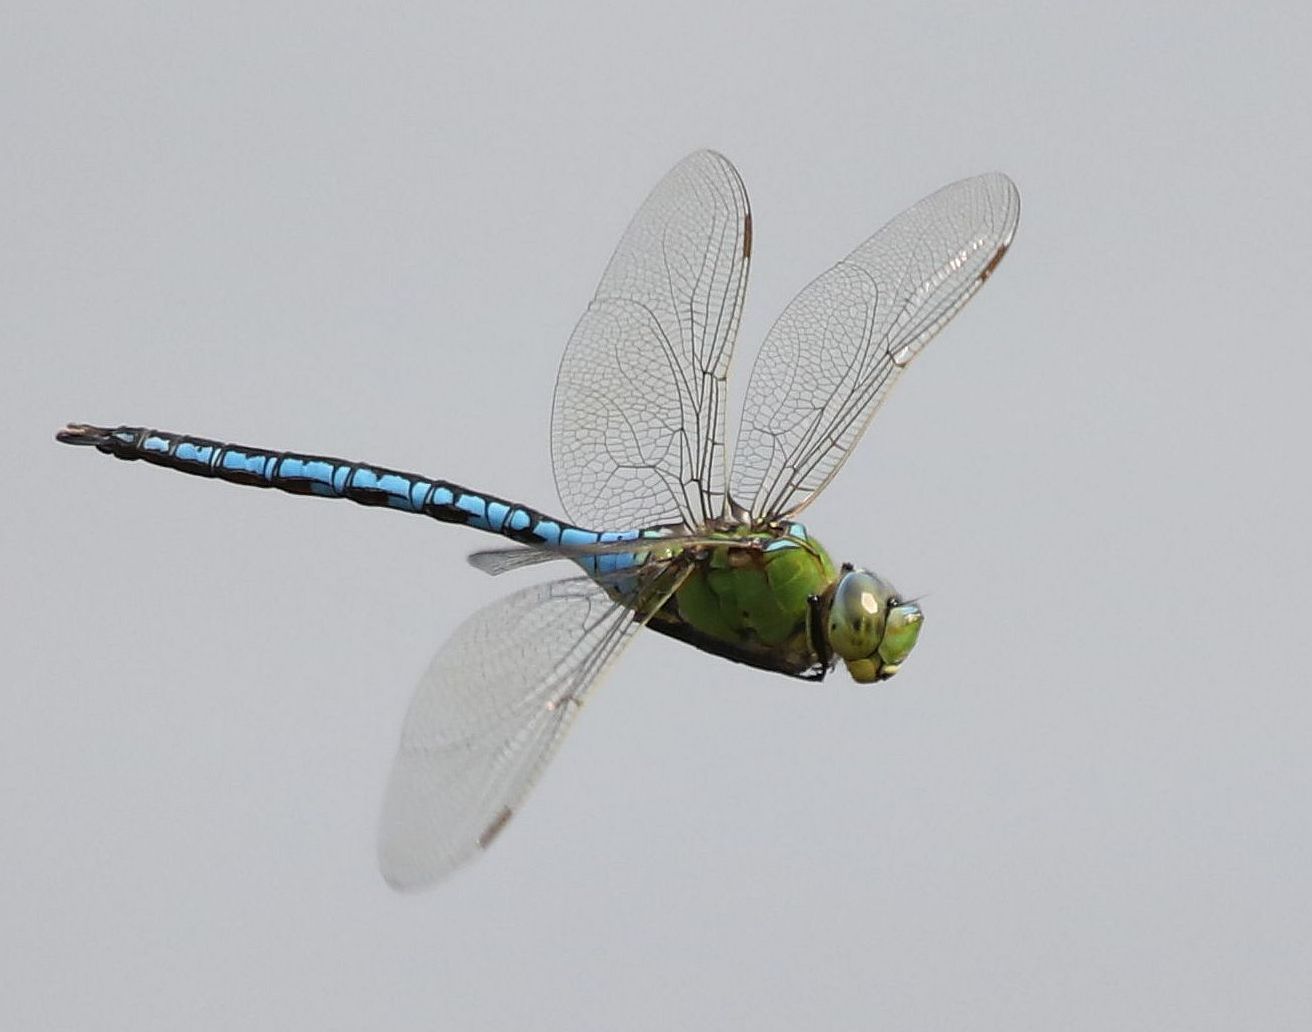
(747, 599)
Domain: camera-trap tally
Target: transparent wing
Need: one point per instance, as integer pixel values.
(830, 359)
(489, 714)
(637, 429)
(496, 561)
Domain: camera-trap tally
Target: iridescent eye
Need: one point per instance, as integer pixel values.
(856, 615)
(900, 636)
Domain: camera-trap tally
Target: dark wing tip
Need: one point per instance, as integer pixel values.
(994, 261)
(494, 829)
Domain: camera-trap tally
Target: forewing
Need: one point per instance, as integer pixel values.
(637, 430)
(833, 355)
(491, 711)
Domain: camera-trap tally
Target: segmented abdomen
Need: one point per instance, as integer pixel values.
(359, 482)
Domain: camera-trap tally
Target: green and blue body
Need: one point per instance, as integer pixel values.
(669, 532)
(748, 595)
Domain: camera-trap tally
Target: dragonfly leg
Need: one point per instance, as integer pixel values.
(815, 630)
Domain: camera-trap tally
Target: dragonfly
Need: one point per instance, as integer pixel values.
(664, 527)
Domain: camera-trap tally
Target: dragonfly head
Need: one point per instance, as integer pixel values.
(870, 626)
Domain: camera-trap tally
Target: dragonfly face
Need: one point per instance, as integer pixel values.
(870, 626)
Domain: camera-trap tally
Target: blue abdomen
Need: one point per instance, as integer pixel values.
(362, 483)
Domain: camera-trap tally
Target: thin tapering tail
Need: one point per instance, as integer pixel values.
(358, 482)
(84, 434)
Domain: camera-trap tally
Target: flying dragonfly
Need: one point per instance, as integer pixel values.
(665, 527)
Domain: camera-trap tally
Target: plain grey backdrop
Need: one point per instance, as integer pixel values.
(368, 231)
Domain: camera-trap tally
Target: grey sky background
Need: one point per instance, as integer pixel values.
(1083, 804)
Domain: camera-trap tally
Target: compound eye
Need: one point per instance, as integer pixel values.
(904, 623)
(856, 616)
